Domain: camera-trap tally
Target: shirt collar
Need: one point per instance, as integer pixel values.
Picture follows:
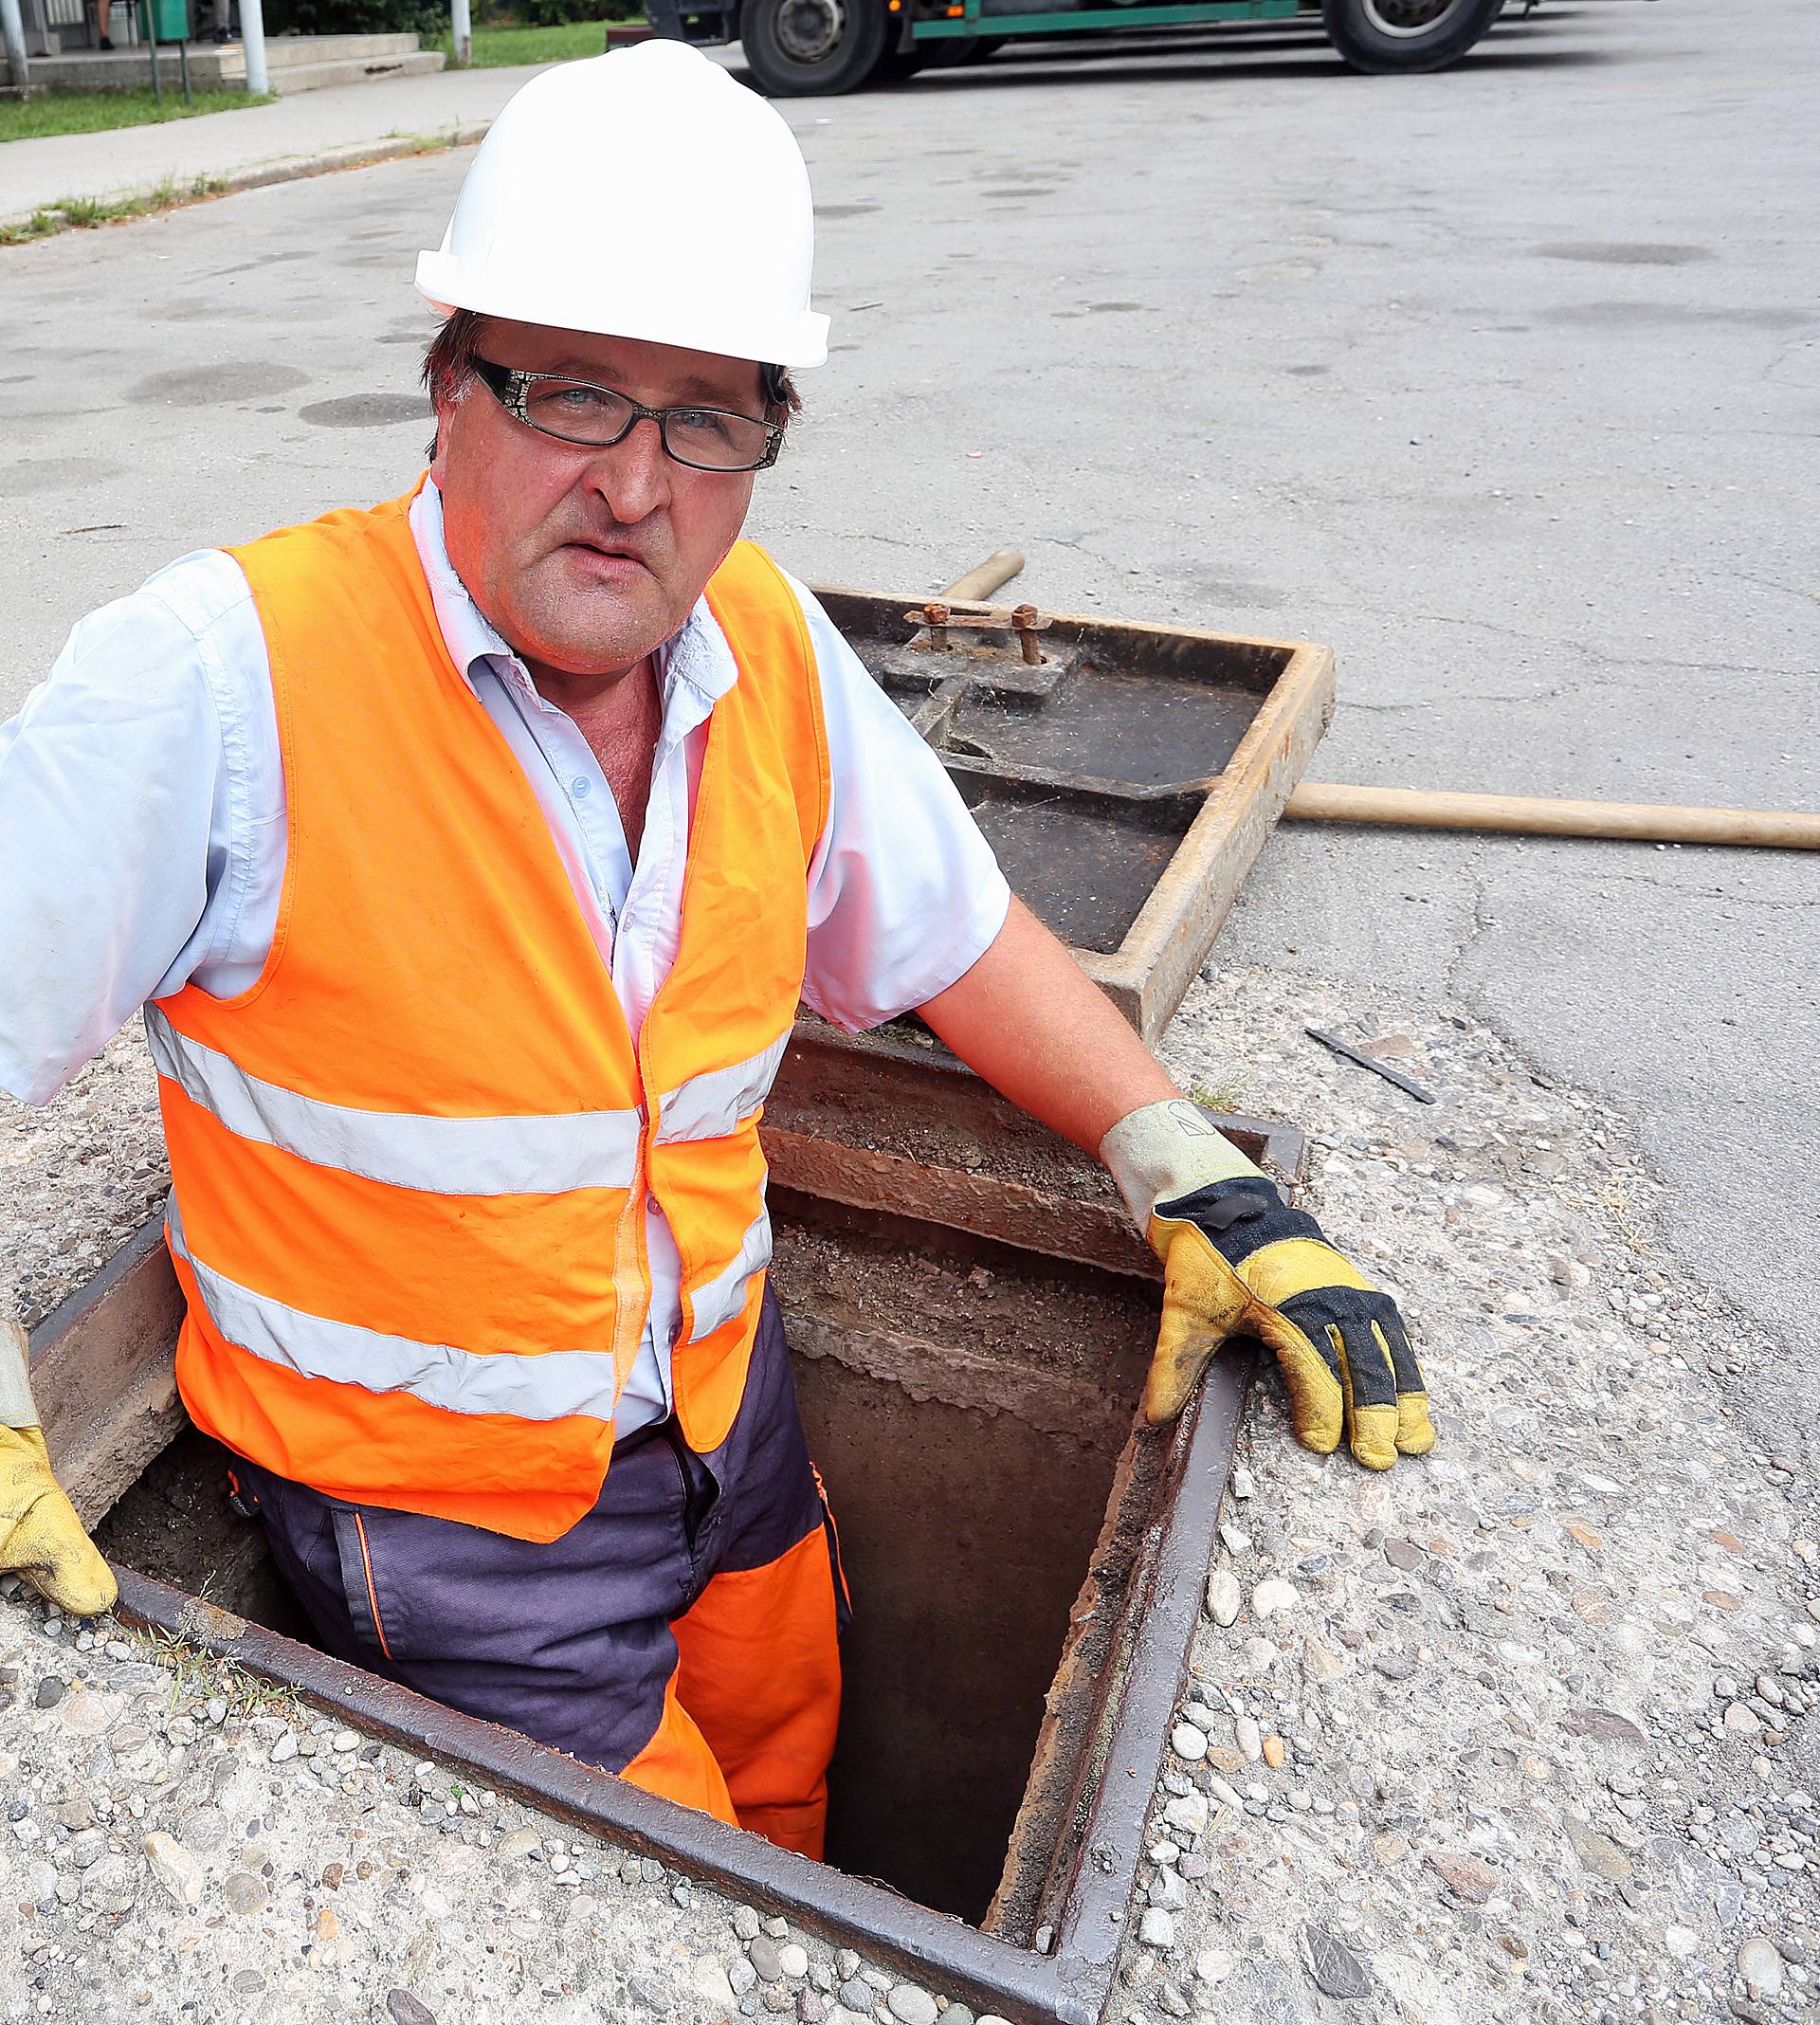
(695, 661)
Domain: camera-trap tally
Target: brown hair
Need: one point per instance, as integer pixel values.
(448, 369)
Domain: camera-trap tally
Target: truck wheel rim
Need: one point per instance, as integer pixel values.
(1410, 17)
(810, 30)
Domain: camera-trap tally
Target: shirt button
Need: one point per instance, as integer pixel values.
(579, 789)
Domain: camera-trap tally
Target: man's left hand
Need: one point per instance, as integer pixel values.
(1239, 1261)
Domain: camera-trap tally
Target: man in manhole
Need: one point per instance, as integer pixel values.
(470, 856)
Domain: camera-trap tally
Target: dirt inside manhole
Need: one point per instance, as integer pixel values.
(967, 1403)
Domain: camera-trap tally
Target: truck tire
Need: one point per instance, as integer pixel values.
(809, 48)
(1381, 36)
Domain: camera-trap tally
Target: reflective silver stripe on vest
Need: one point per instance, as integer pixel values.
(460, 1381)
(533, 1155)
(712, 1104)
(720, 1299)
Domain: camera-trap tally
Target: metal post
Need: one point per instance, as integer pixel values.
(460, 34)
(152, 43)
(12, 31)
(252, 35)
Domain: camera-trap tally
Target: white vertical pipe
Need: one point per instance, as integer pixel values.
(252, 35)
(12, 31)
(461, 34)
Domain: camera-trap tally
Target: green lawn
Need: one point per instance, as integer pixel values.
(494, 48)
(89, 112)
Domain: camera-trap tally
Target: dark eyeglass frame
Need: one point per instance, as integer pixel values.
(512, 388)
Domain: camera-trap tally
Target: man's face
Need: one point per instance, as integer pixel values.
(586, 559)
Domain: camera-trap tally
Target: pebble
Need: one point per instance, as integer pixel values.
(1167, 1890)
(1224, 1597)
(50, 1691)
(409, 2010)
(912, 2006)
(763, 1955)
(1248, 1737)
(1338, 1972)
(1274, 1752)
(1760, 1965)
(793, 1959)
(1273, 1596)
(1156, 1929)
(1188, 1742)
(745, 1923)
(1214, 1966)
(520, 1842)
(1188, 1813)
(245, 1892)
(174, 1867)
(284, 1748)
(712, 1984)
(857, 1996)
(741, 1975)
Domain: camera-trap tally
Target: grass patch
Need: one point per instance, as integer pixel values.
(198, 1675)
(93, 112)
(1221, 1096)
(498, 49)
(84, 214)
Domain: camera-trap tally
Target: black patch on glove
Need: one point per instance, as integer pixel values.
(1245, 1214)
(1241, 1216)
(1352, 1310)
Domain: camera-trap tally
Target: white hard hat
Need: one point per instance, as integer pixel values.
(639, 194)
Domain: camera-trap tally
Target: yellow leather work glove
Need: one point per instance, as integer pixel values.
(40, 1534)
(1238, 1259)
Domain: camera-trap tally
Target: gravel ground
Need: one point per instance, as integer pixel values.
(1523, 1727)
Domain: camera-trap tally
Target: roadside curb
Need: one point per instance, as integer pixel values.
(143, 201)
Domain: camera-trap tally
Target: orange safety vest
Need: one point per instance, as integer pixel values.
(411, 1163)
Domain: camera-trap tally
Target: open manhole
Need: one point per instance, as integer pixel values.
(971, 1318)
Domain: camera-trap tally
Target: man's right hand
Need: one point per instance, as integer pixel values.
(41, 1536)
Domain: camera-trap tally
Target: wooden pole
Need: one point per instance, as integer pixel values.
(1316, 801)
(985, 577)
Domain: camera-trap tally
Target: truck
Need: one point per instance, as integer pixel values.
(797, 48)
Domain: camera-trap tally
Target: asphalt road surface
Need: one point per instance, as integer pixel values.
(1503, 381)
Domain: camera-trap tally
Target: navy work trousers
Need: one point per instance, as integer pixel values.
(685, 1633)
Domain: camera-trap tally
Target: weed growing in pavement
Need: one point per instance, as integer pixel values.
(85, 213)
(199, 1675)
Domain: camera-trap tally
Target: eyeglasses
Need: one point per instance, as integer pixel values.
(574, 410)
